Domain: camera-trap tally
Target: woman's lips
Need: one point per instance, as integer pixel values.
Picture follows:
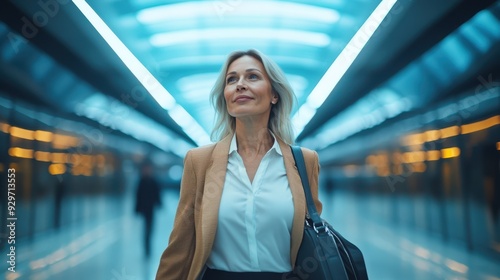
(242, 98)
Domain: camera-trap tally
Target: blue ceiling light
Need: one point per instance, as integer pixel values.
(160, 94)
(193, 60)
(211, 60)
(197, 87)
(225, 9)
(376, 107)
(314, 39)
(122, 118)
(298, 83)
(291, 26)
(338, 68)
(304, 62)
(417, 84)
(192, 127)
(186, 39)
(150, 83)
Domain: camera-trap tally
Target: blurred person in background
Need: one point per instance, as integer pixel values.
(242, 205)
(147, 199)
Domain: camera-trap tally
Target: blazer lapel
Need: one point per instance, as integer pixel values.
(299, 200)
(214, 182)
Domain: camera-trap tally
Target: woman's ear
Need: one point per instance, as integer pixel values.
(274, 100)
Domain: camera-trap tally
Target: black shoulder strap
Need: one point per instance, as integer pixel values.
(301, 166)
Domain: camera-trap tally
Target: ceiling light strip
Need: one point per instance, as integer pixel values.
(237, 9)
(150, 83)
(315, 39)
(339, 67)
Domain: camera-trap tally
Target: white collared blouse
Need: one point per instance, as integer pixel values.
(255, 219)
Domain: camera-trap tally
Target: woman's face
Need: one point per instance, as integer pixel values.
(248, 90)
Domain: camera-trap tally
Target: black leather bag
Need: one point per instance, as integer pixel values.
(324, 253)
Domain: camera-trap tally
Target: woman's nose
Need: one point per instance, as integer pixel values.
(240, 85)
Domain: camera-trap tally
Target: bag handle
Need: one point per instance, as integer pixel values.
(298, 156)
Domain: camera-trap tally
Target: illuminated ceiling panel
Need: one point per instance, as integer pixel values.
(416, 85)
(183, 44)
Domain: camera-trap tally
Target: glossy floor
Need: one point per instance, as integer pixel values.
(110, 247)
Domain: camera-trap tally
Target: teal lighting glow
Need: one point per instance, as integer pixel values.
(122, 118)
(418, 84)
(150, 83)
(204, 60)
(339, 67)
(458, 53)
(375, 108)
(314, 39)
(224, 9)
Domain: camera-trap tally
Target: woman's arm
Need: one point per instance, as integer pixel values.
(176, 260)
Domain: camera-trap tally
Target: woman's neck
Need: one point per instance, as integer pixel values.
(253, 140)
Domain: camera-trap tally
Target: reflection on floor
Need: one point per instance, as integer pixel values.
(111, 249)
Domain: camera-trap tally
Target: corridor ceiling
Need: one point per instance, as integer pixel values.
(184, 43)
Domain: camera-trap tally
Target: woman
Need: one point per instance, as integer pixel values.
(242, 207)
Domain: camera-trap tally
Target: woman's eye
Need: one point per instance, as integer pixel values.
(231, 79)
(253, 76)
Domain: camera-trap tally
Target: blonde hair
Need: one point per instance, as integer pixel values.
(279, 120)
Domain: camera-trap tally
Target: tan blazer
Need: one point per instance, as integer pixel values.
(196, 219)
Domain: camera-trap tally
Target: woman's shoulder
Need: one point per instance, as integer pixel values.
(200, 158)
(207, 151)
(308, 152)
(202, 151)
(309, 155)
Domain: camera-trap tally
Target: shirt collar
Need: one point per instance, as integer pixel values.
(276, 146)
